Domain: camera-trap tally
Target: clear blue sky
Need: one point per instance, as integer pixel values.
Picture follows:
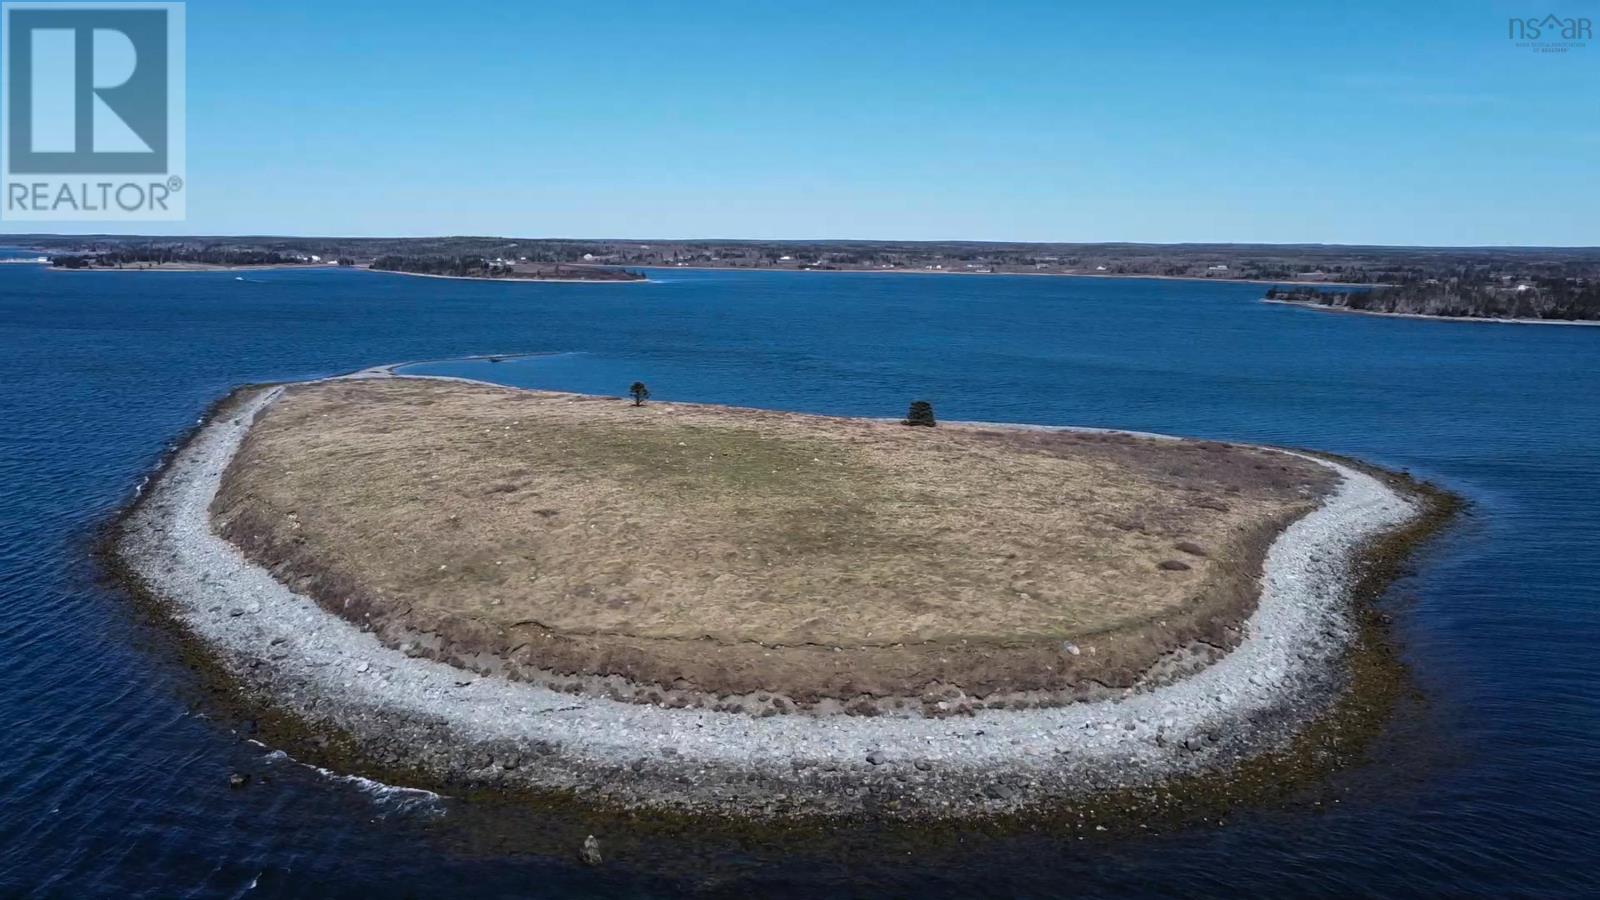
(1395, 122)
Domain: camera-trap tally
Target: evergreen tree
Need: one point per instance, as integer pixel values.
(921, 413)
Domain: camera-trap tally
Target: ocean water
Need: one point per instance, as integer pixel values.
(114, 758)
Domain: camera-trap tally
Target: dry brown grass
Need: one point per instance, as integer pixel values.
(727, 547)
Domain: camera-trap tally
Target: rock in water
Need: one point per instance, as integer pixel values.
(590, 854)
(237, 780)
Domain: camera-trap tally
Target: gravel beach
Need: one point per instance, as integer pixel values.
(462, 728)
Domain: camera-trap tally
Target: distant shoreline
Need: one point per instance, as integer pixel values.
(193, 267)
(1321, 307)
(202, 267)
(911, 271)
(208, 267)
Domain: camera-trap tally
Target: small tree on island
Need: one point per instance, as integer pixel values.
(640, 393)
(921, 413)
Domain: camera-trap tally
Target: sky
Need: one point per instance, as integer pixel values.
(1409, 123)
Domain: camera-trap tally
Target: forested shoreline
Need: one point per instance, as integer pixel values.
(1544, 299)
(472, 266)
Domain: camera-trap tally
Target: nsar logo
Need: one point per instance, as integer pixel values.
(1550, 33)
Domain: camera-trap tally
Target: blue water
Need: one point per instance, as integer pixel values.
(114, 759)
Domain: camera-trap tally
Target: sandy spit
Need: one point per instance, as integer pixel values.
(462, 728)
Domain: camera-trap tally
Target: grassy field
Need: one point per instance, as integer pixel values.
(735, 550)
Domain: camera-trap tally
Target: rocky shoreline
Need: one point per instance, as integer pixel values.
(457, 728)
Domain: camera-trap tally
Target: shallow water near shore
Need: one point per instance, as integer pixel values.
(114, 762)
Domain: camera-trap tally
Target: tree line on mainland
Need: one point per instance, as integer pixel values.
(1538, 298)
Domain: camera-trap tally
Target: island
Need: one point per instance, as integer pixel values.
(499, 269)
(750, 612)
(229, 256)
(162, 258)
